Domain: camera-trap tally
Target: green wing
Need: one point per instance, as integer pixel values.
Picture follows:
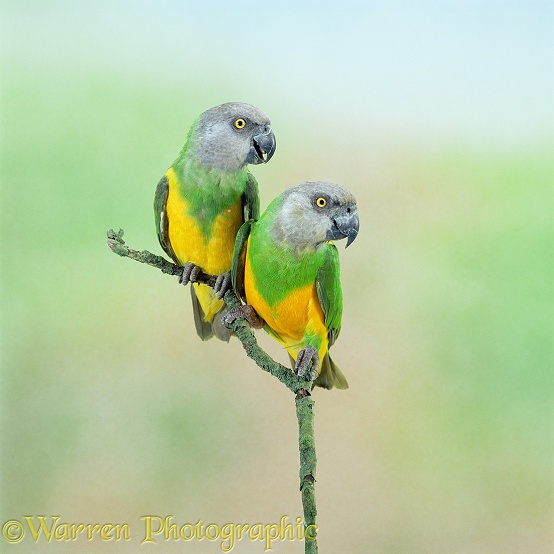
(329, 292)
(251, 199)
(239, 256)
(162, 223)
(251, 210)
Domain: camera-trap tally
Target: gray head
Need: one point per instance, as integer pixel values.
(230, 136)
(314, 212)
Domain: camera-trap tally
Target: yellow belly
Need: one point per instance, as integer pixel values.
(213, 254)
(297, 321)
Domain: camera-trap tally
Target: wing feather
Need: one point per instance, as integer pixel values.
(162, 222)
(239, 257)
(251, 199)
(329, 292)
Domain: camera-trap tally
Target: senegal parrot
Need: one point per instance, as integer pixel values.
(286, 269)
(204, 198)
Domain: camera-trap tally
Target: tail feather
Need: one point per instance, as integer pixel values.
(330, 375)
(219, 329)
(208, 329)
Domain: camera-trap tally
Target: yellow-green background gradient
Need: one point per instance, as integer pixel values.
(438, 116)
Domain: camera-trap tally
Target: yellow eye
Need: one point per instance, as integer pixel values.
(321, 202)
(240, 123)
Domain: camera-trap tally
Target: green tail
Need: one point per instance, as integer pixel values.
(330, 376)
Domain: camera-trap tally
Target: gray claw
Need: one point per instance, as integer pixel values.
(222, 285)
(306, 356)
(190, 273)
(243, 312)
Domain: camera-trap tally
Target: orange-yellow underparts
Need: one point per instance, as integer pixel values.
(213, 254)
(297, 321)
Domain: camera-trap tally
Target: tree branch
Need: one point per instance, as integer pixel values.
(304, 402)
(308, 461)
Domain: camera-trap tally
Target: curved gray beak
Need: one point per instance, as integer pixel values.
(263, 146)
(346, 225)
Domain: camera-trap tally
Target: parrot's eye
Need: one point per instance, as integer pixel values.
(321, 202)
(240, 123)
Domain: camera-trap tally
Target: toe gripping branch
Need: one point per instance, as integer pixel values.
(307, 363)
(246, 312)
(193, 273)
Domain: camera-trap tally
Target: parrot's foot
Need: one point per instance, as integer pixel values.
(243, 312)
(190, 273)
(305, 356)
(222, 284)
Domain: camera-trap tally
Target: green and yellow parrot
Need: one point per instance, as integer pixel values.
(204, 198)
(286, 269)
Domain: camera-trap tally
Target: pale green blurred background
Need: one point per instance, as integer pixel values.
(438, 116)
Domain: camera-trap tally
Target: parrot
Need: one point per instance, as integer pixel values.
(286, 269)
(205, 196)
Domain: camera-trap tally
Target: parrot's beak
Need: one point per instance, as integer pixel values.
(263, 146)
(345, 225)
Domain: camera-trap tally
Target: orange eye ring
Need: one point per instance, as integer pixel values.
(321, 202)
(240, 123)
